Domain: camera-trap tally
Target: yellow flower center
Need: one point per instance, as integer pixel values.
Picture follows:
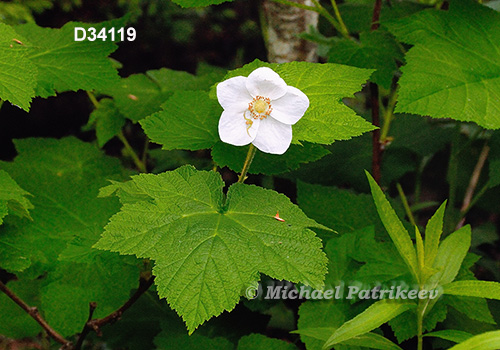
(259, 108)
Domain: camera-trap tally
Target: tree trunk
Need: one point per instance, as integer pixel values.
(284, 24)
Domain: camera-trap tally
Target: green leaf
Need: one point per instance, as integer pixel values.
(405, 325)
(65, 64)
(382, 261)
(472, 307)
(372, 341)
(189, 120)
(19, 324)
(373, 317)
(451, 335)
(480, 289)
(342, 210)
(259, 341)
(64, 177)
(375, 49)
(12, 197)
(485, 341)
(494, 172)
(327, 118)
(140, 95)
(453, 70)
(174, 337)
(84, 275)
(433, 232)
(265, 163)
(107, 120)
(199, 3)
(451, 254)
(207, 248)
(17, 72)
(419, 135)
(394, 227)
(318, 320)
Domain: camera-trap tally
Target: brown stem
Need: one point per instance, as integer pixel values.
(376, 15)
(95, 325)
(35, 314)
(473, 184)
(376, 146)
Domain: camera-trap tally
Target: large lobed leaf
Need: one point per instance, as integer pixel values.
(65, 64)
(453, 71)
(207, 248)
(12, 197)
(64, 177)
(17, 72)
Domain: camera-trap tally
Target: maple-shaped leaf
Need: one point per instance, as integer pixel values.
(17, 72)
(65, 64)
(12, 197)
(208, 247)
(453, 71)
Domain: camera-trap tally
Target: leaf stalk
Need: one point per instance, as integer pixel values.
(248, 161)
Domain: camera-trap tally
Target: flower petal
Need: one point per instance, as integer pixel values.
(291, 107)
(273, 136)
(265, 82)
(233, 94)
(234, 130)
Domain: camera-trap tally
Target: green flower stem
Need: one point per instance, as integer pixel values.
(343, 28)
(138, 163)
(320, 10)
(1, 104)
(420, 321)
(388, 115)
(405, 204)
(141, 165)
(251, 153)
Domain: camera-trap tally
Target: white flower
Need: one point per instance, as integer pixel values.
(260, 109)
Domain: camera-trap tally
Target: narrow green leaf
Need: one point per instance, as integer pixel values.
(451, 254)
(372, 341)
(480, 289)
(420, 249)
(485, 341)
(373, 317)
(368, 340)
(394, 227)
(433, 232)
(451, 335)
